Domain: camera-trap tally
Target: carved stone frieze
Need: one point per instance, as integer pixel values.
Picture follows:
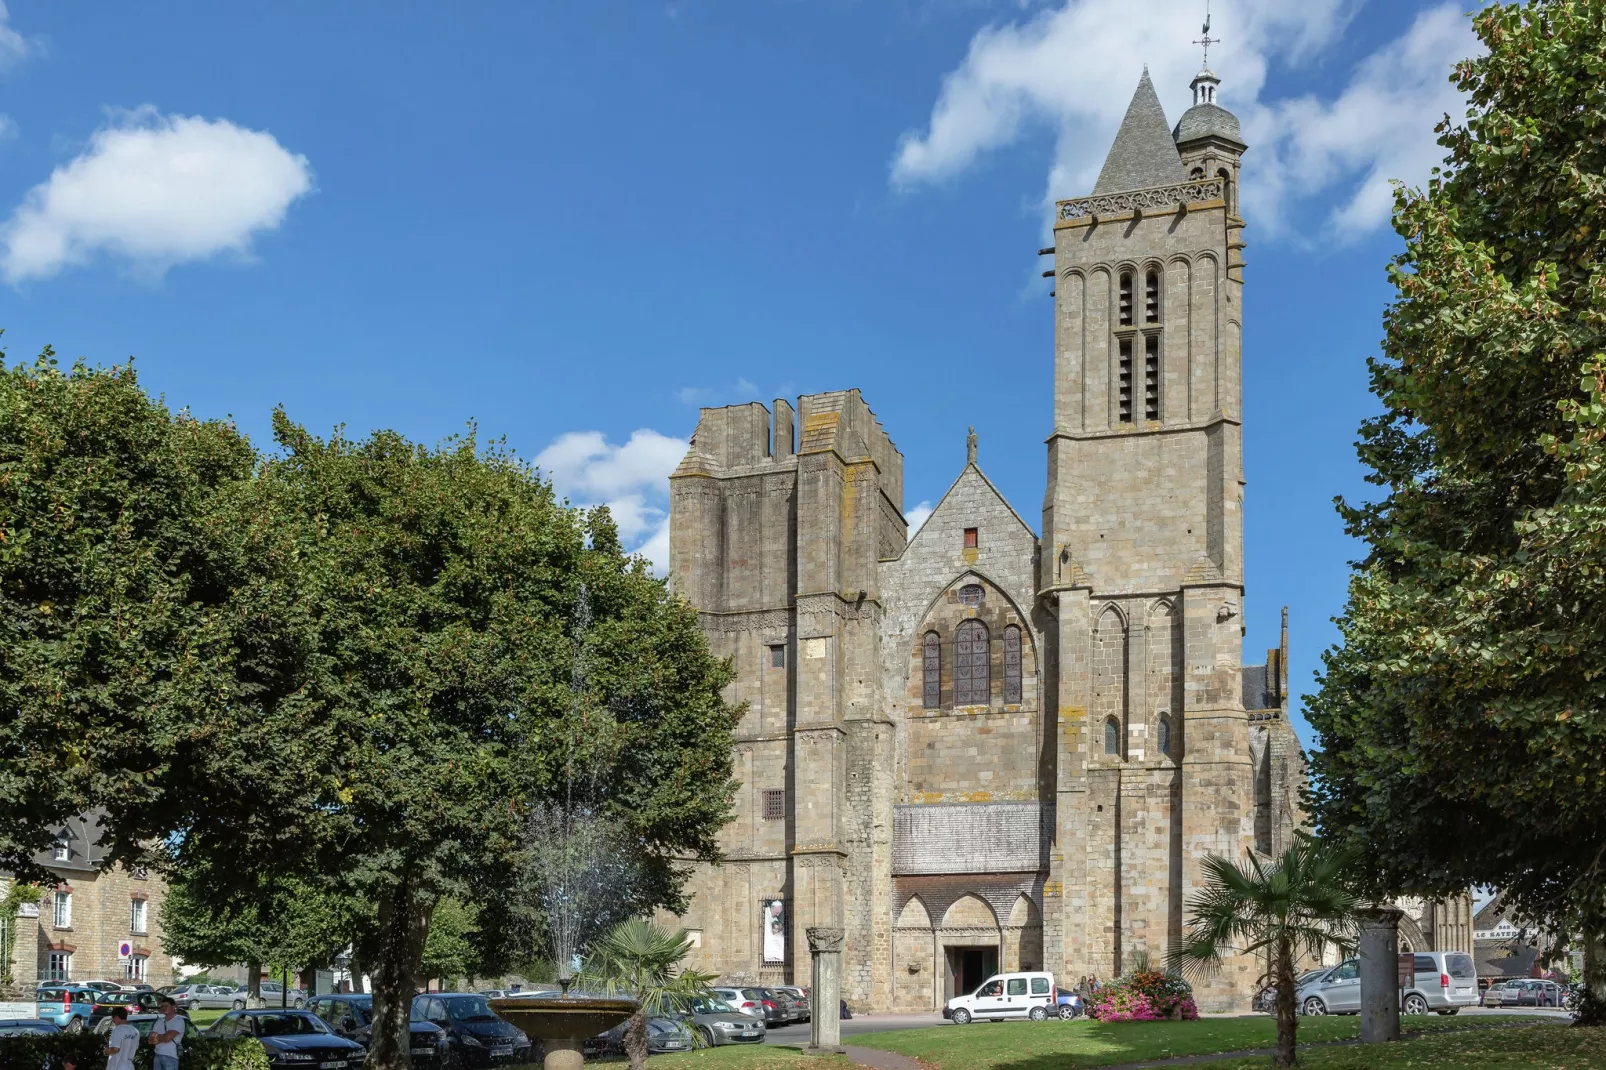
(1161, 197)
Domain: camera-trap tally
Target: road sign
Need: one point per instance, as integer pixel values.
(125, 949)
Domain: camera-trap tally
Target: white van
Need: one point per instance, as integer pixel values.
(1005, 995)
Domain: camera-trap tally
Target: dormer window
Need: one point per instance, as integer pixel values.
(62, 850)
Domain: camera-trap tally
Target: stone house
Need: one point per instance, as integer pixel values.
(979, 746)
(89, 917)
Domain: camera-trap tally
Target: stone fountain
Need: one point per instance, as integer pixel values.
(581, 873)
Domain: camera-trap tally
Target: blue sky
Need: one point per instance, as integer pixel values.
(576, 222)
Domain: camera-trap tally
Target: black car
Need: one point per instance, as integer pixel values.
(135, 1002)
(352, 1016)
(475, 1036)
(27, 1027)
(293, 1039)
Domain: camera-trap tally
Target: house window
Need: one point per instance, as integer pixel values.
(972, 679)
(59, 966)
(1012, 664)
(778, 657)
(1163, 734)
(136, 919)
(1125, 308)
(1151, 377)
(1151, 297)
(1112, 737)
(62, 851)
(140, 873)
(136, 967)
(61, 913)
(931, 665)
(970, 538)
(1124, 381)
(775, 804)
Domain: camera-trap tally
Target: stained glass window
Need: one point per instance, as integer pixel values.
(972, 681)
(1012, 664)
(932, 658)
(1112, 737)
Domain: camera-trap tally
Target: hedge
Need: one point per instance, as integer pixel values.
(88, 1052)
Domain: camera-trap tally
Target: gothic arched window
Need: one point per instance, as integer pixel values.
(1151, 297)
(931, 667)
(1125, 309)
(1012, 664)
(1163, 734)
(1112, 737)
(972, 679)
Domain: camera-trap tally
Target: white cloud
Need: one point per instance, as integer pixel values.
(14, 48)
(1072, 69)
(631, 479)
(154, 191)
(917, 517)
(8, 128)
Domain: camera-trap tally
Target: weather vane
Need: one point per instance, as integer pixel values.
(1206, 39)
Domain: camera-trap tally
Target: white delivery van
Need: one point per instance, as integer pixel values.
(1005, 995)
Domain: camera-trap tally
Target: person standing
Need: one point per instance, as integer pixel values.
(165, 1036)
(121, 1042)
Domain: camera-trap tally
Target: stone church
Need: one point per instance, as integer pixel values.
(982, 746)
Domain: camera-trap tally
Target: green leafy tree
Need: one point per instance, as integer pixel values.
(1462, 718)
(449, 948)
(110, 578)
(401, 691)
(641, 959)
(1296, 905)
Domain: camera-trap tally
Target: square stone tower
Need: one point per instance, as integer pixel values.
(1142, 562)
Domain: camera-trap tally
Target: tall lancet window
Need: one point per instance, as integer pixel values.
(1012, 665)
(1125, 307)
(972, 673)
(1151, 377)
(931, 668)
(1123, 380)
(1151, 297)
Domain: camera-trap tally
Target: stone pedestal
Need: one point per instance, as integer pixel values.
(1380, 976)
(563, 1053)
(825, 1024)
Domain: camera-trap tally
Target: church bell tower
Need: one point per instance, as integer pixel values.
(1141, 570)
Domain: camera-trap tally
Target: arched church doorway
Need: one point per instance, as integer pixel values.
(970, 940)
(968, 967)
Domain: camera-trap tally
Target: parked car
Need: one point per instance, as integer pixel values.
(1336, 990)
(104, 986)
(664, 1035)
(1067, 1004)
(1006, 995)
(1444, 982)
(205, 996)
(273, 993)
(136, 1002)
(720, 1023)
(475, 1036)
(352, 1016)
(777, 1009)
(27, 1027)
(1526, 992)
(67, 1006)
(801, 996)
(292, 1038)
(145, 1022)
(740, 1002)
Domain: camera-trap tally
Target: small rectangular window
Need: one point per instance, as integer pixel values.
(774, 804)
(1017, 986)
(777, 657)
(1124, 382)
(1151, 377)
(1039, 986)
(970, 538)
(136, 921)
(61, 914)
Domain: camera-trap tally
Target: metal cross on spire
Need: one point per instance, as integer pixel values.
(1206, 39)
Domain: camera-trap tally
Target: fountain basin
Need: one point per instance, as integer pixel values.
(563, 1023)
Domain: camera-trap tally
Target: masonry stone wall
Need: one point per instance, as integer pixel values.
(101, 918)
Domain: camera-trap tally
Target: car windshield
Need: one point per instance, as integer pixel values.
(469, 1009)
(710, 1005)
(18, 1029)
(286, 1025)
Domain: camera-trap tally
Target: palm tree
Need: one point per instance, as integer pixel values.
(640, 959)
(1281, 908)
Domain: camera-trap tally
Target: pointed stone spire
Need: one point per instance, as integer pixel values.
(1144, 154)
(970, 447)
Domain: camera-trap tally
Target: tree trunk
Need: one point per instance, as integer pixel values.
(253, 980)
(636, 1041)
(398, 958)
(1591, 1009)
(1287, 1021)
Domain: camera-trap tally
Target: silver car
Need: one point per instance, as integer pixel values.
(1334, 991)
(206, 997)
(717, 1022)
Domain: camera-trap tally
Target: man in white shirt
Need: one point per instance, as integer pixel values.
(121, 1042)
(165, 1036)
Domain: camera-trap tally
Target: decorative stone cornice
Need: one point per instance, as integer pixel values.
(1164, 198)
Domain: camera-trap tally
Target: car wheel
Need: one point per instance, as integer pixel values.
(75, 1025)
(707, 1035)
(1313, 1008)
(239, 1004)
(961, 1017)
(299, 1003)
(1038, 1014)
(1415, 1004)
(1067, 1012)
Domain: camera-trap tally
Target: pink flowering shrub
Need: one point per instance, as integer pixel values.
(1145, 996)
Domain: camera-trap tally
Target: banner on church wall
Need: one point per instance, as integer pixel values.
(774, 931)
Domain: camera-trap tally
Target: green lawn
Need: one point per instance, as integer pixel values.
(1538, 1047)
(740, 1057)
(1056, 1045)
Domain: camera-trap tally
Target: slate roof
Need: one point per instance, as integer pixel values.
(1504, 958)
(1144, 154)
(1207, 120)
(1491, 914)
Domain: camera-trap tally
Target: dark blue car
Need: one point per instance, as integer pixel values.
(475, 1036)
(293, 1039)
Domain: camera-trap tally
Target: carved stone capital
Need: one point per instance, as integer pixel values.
(823, 941)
